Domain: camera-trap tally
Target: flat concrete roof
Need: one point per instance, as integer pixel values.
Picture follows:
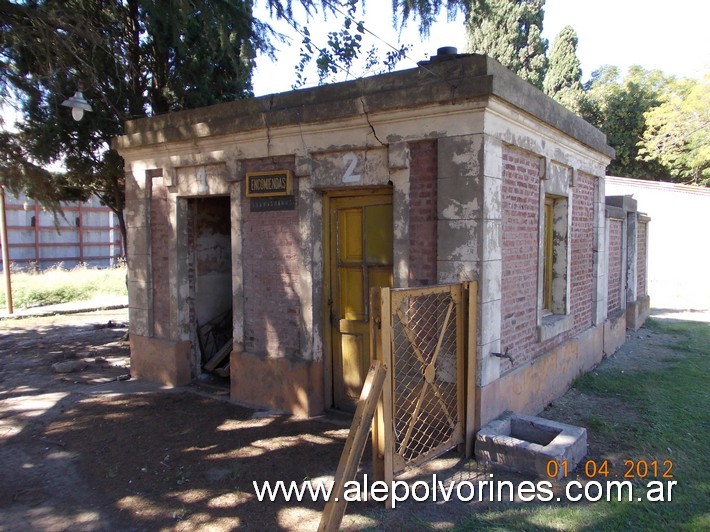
(443, 81)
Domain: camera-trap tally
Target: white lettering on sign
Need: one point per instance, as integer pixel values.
(349, 176)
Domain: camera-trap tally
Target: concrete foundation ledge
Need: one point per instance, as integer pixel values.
(614, 333)
(282, 384)
(527, 444)
(637, 312)
(163, 361)
(530, 387)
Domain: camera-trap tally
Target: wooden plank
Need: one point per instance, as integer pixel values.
(378, 428)
(223, 371)
(471, 359)
(399, 293)
(388, 392)
(354, 446)
(459, 434)
(219, 356)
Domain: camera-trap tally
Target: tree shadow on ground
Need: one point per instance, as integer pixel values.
(160, 459)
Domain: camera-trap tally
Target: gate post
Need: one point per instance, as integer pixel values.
(471, 290)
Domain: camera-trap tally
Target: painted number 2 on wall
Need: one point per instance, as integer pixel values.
(350, 176)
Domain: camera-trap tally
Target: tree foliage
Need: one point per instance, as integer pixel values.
(564, 71)
(344, 47)
(617, 106)
(677, 132)
(509, 31)
(132, 58)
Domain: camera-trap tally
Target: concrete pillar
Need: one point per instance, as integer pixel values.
(140, 305)
(469, 233)
(235, 197)
(307, 200)
(398, 162)
(631, 253)
(601, 256)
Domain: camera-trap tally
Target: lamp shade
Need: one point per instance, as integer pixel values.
(78, 105)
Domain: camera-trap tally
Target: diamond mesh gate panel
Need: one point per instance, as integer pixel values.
(427, 356)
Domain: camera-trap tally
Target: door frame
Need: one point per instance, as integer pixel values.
(328, 197)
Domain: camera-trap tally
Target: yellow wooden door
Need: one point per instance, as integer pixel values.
(360, 258)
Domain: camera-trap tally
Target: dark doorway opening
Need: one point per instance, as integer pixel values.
(210, 279)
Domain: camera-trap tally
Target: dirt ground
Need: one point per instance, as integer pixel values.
(87, 450)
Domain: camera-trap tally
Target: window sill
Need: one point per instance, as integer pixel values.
(553, 325)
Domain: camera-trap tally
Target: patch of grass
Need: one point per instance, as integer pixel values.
(57, 285)
(692, 337)
(596, 422)
(539, 517)
(674, 424)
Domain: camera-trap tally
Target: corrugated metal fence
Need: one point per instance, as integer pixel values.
(87, 233)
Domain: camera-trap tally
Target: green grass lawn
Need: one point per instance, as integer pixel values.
(672, 411)
(57, 285)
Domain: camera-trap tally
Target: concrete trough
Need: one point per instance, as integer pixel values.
(527, 444)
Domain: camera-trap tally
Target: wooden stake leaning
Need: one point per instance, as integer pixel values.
(354, 446)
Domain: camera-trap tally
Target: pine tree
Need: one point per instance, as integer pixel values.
(509, 31)
(131, 58)
(564, 72)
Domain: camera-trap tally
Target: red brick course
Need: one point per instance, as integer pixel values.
(582, 244)
(519, 284)
(521, 206)
(615, 263)
(272, 265)
(422, 213)
(160, 250)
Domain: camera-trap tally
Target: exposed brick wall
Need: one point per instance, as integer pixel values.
(520, 197)
(582, 244)
(641, 273)
(160, 250)
(521, 205)
(271, 266)
(615, 275)
(422, 213)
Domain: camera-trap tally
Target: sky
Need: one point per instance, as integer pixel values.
(671, 36)
(655, 34)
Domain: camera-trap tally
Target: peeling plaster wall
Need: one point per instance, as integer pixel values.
(212, 257)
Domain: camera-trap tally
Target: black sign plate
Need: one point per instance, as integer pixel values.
(277, 203)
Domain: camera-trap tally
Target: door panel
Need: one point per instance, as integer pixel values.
(361, 257)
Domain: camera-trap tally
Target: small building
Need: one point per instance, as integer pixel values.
(278, 213)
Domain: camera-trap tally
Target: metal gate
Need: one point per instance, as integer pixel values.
(422, 344)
